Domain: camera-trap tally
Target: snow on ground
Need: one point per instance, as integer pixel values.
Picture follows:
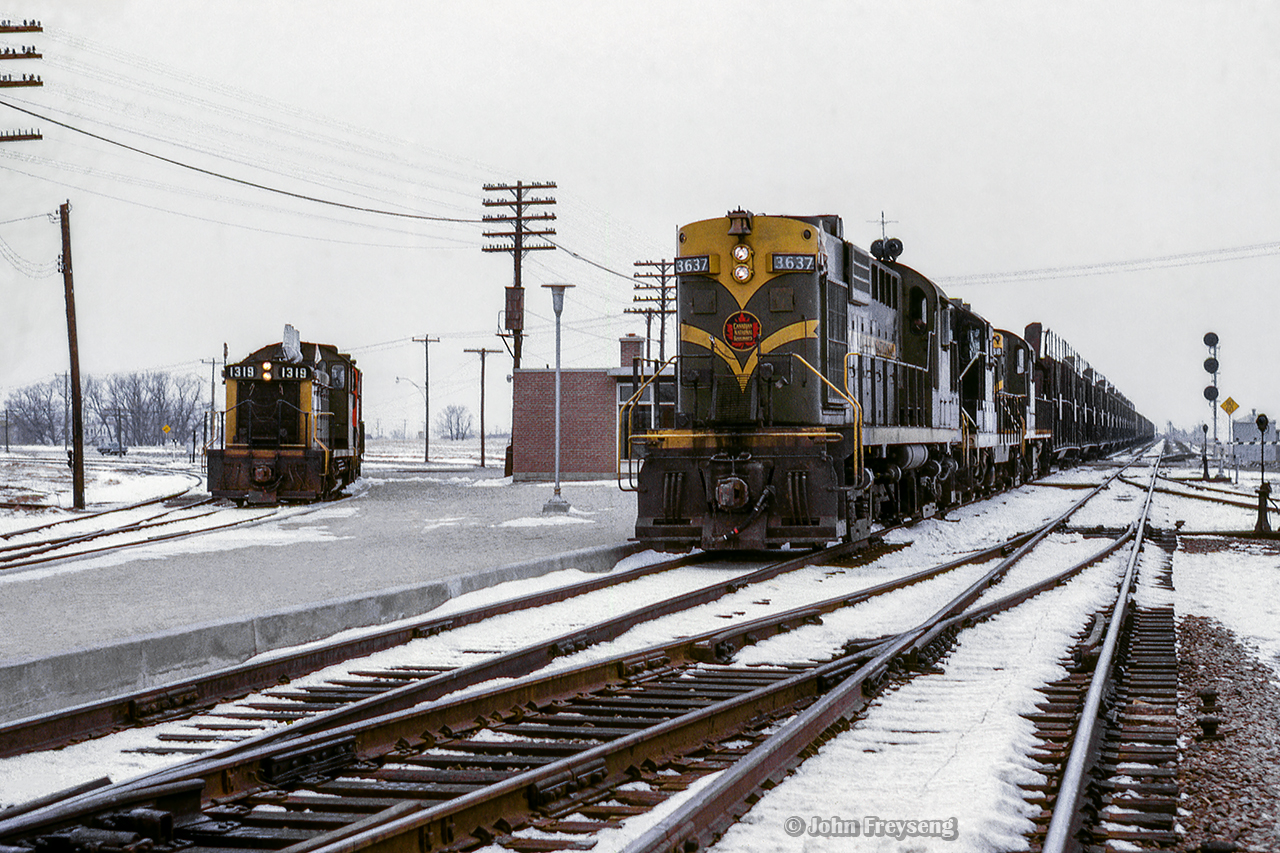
(28, 475)
(279, 527)
(968, 740)
(947, 749)
(1236, 582)
(935, 539)
(28, 776)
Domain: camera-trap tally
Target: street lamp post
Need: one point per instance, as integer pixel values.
(557, 503)
(426, 418)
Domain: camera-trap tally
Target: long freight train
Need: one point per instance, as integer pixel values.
(293, 429)
(821, 387)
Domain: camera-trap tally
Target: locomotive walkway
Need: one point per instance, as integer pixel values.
(406, 542)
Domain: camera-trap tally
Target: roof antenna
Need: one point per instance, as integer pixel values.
(886, 248)
(883, 222)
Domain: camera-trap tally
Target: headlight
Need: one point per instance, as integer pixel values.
(741, 252)
(742, 272)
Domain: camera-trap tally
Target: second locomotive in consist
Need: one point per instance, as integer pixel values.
(821, 388)
(293, 428)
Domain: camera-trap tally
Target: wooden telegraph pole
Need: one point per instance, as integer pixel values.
(661, 295)
(518, 221)
(483, 353)
(9, 80)
(77, 405)
(426, 341)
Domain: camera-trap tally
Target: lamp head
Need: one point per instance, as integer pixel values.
(557, 295)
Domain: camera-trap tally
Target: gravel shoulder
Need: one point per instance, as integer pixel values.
(1230, 786)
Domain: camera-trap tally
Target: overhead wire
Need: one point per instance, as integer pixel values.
(209, 137)
(1209, 256)
(240, 225)
(31, 269)
(225, 177)
(273, 108)
(148, 183)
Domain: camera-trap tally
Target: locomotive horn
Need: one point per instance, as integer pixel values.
(893, 248)
(877, 249)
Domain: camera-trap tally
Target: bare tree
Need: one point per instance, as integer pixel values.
(454, 423)
(35, 413)
(132, 408)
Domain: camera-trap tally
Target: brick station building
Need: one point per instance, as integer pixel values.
(591, 424)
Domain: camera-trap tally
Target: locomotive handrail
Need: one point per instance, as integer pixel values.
(304, 433)
(624, 417)
(857, 407)
(887, 360)
(968, 435)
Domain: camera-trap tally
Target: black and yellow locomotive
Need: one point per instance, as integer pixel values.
(821, 387)
(293, 428)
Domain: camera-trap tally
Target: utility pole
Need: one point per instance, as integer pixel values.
(8, 81)
(483, 352)
(213, 382)
(517, 220)
(426, 341)
(659, 294)
(77, 404)
(647, 313)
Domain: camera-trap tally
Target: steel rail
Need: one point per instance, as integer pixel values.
(515, 663)
(1195, 497)
(67, 540)
(12, 533)
(699, 821)
(59, 728)
(400, 829)
(233, 769)
(1066, 811)
(33, 549)
(95, 718)
(711, 645)
(150, 540)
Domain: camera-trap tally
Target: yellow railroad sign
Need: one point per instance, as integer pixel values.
(1229, 406)
(165, 428)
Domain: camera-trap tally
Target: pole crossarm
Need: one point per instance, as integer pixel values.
(518, 219)
(660, 294)
(426, 341)
(483, 353)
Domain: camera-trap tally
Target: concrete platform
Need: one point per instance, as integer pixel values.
(409, 540)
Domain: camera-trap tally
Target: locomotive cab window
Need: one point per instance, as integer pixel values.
(918, 311)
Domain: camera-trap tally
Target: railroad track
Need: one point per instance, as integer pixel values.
(624, 724)
(25, 549)
(1116, 776)
(191, 695)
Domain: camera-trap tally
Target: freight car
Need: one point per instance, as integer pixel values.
(821, 387)
(292, 430)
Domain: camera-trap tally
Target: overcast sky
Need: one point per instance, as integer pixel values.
(1120, 158)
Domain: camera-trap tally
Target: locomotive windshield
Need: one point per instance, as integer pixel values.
(268, 413)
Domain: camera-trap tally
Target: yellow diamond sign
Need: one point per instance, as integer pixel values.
(1229, 406)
